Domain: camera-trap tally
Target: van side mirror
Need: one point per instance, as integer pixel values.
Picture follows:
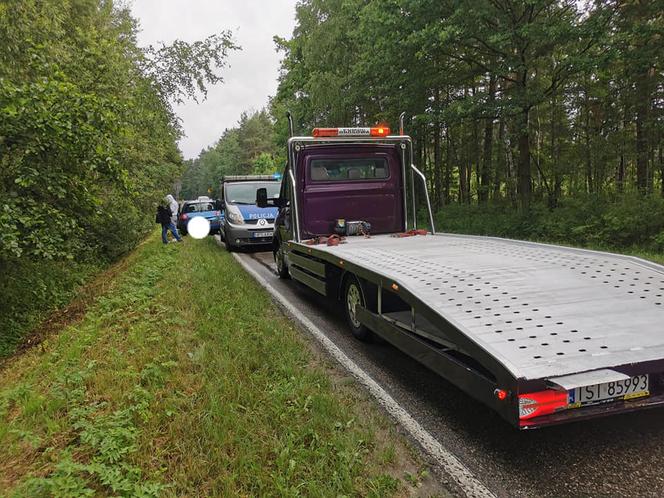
(261, 197)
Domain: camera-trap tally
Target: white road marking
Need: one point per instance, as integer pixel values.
(449, 463)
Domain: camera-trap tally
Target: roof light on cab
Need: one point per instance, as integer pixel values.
(377, 131)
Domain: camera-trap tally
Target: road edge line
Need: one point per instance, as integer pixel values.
(451, 465)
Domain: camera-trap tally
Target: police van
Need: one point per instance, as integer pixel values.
(244, 223)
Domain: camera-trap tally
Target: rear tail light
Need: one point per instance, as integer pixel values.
(541, 403)
(183, 217)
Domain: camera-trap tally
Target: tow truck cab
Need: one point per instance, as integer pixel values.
(352, 182)
(541, 334)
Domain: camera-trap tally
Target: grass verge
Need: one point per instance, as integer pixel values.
(30, 290)
(183, 379)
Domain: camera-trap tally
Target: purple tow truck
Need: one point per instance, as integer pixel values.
(542, 334)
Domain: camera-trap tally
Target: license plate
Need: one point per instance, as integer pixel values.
(635, 387)
(260, 235)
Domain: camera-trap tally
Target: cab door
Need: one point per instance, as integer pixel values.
(283, 223)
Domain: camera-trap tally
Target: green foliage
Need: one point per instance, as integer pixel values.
(513, 101)
(184, 70)
(624, 223)
(264, 164)
(87, 138)
(52, 122)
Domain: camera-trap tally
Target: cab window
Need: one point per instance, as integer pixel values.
(335, 170)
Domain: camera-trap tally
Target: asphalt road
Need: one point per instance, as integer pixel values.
(617, 456)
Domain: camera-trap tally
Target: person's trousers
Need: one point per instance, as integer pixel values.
(164, 232)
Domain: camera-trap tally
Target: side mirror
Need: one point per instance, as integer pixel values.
(218, 205)
(261, 197)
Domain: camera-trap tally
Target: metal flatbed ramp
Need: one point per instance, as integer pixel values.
(541, 310)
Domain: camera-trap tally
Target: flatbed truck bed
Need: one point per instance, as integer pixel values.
(515, 315)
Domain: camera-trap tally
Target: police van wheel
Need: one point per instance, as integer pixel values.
(280, 261)
(353, 299)
(227, 243)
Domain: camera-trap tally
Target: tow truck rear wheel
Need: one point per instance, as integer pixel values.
(280, 261)
(353, 299)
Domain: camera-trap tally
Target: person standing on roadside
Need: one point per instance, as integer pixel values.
(166, 216)
(173, 204)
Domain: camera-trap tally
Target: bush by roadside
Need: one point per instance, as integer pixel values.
(628, 223)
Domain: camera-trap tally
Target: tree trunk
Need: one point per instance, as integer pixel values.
(555, 157)
(502, 162)
(485, 175)
(620, 174)
(474, 158)
(524, 177)
(590, 188)
(447, 182)
(437, 155)
(642, 107)
(661, 169)
(463, 166)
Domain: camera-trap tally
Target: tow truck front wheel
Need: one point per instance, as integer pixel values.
(353, 300)
(280, 261)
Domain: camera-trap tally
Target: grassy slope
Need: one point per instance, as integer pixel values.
(29, 290)
(183, 379)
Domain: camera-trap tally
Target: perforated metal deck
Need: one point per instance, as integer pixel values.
(542, 310)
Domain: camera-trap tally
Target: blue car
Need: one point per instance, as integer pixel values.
(244, 223)
(206, 209)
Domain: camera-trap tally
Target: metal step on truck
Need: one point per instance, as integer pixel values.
(540, 333)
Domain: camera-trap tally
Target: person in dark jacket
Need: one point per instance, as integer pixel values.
(164, 217)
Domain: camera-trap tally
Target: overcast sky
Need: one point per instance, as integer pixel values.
(252, 75)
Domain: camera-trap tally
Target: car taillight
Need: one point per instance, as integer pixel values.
(541, 403)
(183, 217)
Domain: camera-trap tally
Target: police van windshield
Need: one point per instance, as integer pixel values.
(245, 193)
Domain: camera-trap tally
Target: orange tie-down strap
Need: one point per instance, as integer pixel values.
(410, 233)
(332, 240)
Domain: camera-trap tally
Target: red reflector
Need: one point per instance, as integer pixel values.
(380, 131)
(541, 403)
(501, 394)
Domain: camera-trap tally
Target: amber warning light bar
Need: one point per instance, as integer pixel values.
(378, 131)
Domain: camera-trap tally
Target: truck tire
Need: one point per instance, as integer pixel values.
(280, 262)
(352, 297)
